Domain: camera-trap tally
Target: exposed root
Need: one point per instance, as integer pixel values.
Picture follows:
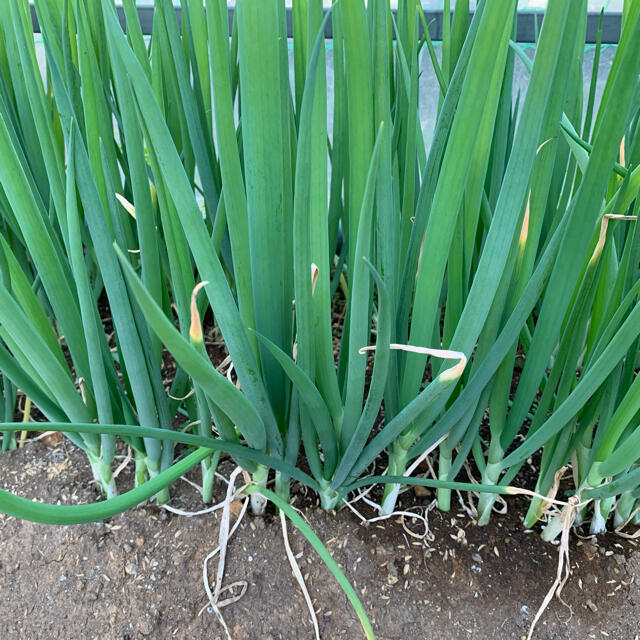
(628, 536)
(567, 516)
(123, 465)
(298, 575)
(192, 514)
(197, 487)
(364, 492)
(193, 390)
(225, 535)
(469, 509)
(424, 456)
(42, 436)
(361, 495)
(422, 517)
(518, 491)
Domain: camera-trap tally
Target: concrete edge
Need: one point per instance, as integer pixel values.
(527, 28)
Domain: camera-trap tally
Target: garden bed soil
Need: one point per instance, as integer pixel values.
(139, 575)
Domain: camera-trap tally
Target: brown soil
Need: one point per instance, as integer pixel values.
(139, 575)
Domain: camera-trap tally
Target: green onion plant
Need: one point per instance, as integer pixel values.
(491, 272)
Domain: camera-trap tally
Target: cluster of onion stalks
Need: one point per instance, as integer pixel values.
(494, 258)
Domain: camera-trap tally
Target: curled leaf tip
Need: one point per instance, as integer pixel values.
(195, 331)
(445, 354)
(543, 143)
(126, 205)
(602, 238)
(453, 373)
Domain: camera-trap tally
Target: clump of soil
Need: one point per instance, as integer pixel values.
(139, 574)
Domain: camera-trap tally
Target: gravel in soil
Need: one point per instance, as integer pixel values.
(139, 574)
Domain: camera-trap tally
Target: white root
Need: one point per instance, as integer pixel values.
(123, 465)
(568, 516)
(193, 514)
(298, 575)
(628, 536)
(225, 535)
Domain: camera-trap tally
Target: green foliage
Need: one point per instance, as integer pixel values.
(136, 172)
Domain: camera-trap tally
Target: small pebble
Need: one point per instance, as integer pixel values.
(145, 627)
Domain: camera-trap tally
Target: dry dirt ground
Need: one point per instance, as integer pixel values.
(139, 575)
